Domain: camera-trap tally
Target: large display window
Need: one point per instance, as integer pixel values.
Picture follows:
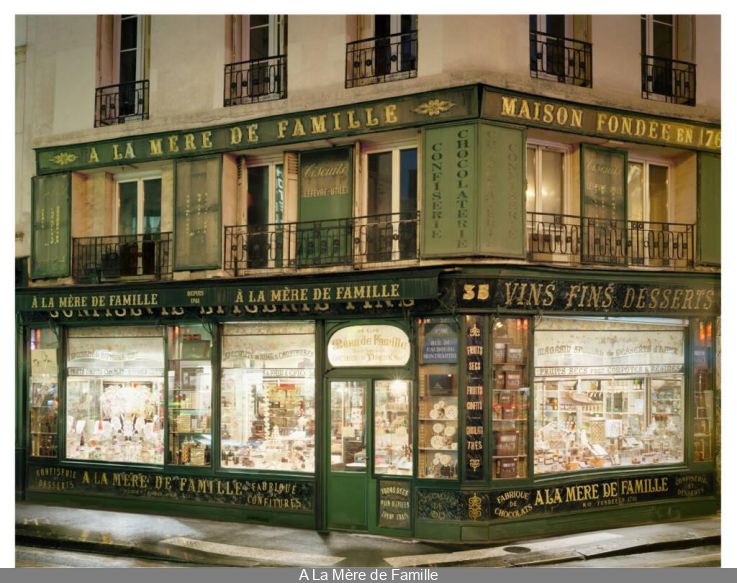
(115, 394)
(44, 393)
(608, 393)
(267, 396)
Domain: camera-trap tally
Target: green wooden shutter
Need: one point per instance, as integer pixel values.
(51, 238)
(197, 225)
(708, 229)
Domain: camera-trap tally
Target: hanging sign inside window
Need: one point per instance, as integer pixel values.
(369, 346)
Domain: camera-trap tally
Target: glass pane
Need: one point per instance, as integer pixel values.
(614, 411)
(348, 426)
(438, 399)
(703, 417)
(555, 25)
(115, 390)
(128, 208)
(44, 393)
(190, 395)
(279, 194)
(551, 190)
(635, 195)
(128, 32)
(259, 20)
(258, 216)
(152, 206)
(267, 398)
(658, 194)
(380, 183)
(408, 204)
(392, 428)
(662, 37)
(531, 179)
(510, 397)
(259, 41)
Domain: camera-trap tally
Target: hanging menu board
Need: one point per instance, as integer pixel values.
(197, 225)
(474, 398)
(51, 226)
(440, 342)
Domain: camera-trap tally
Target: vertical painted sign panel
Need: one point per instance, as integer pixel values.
(474, 398)
(501, 216)
(449, 223)
(197, 222)
(51, 236)
(708, 230)
(324, 233)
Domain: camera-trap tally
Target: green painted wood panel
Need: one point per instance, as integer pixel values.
(197, 230)
(708, 230)
(501, 192)
(51, 228)
(449, 221)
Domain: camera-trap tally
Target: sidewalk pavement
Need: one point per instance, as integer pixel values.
(250, 545)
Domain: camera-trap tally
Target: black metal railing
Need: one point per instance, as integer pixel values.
(573, 239)
(382, 58)
(668, 80)
(350, 241)
(116, 104)
(96, 259)
(256, 80)
(565, 59)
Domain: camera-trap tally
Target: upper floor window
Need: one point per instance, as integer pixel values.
(139, 206)
(391, 205)
(385, 49)
(545, 179)
(264, 214)
(257, 59)
(122, 69)
(668, 71)
(560, 48)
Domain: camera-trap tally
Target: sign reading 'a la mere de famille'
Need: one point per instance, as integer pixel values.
(388, 114)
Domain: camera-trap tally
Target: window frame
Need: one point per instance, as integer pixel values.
(139, 179)
(646, 162)
(567, 168)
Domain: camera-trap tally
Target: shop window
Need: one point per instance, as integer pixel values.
(560, 48)
(624, 404)
(510, 397)
(438, 399)
(267, 397)
(391, 206)
(44, 393)
(256, 47)
(703, 372)
(667, 49)
(265, 216)
(138, 221)
(348, 448)
(115, 394)
(190, 395)
(392, 427)
(122, 68)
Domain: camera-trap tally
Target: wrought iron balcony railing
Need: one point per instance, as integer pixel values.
(96, 259)
(573, 239)
(256, 80)
(116, 104)
(668, 80)
(350, 242)
(382, 58)
(556, 57)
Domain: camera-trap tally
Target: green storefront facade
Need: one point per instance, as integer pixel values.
(477, 392)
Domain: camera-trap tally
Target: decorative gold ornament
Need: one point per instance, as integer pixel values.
(434, 107)
(64, 158)
(474, 507)
(475, 463)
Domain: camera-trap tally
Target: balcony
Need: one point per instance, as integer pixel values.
(668, 80)
(116, 104)
(585, 240)
(354, 242)
(255, 80)
(558, 58)
(110, 258)
(380, 59)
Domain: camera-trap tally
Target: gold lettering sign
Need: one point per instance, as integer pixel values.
(609, 124)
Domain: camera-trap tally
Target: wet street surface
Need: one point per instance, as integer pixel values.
(53, 558)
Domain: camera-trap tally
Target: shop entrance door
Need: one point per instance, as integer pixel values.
(370, 455)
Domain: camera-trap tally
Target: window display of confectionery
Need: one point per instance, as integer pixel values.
(630, 417)
(115, 398)
(267, 397)
(44, 393)
(392, 429)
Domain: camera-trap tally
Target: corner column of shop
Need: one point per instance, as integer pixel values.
(508, 324)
